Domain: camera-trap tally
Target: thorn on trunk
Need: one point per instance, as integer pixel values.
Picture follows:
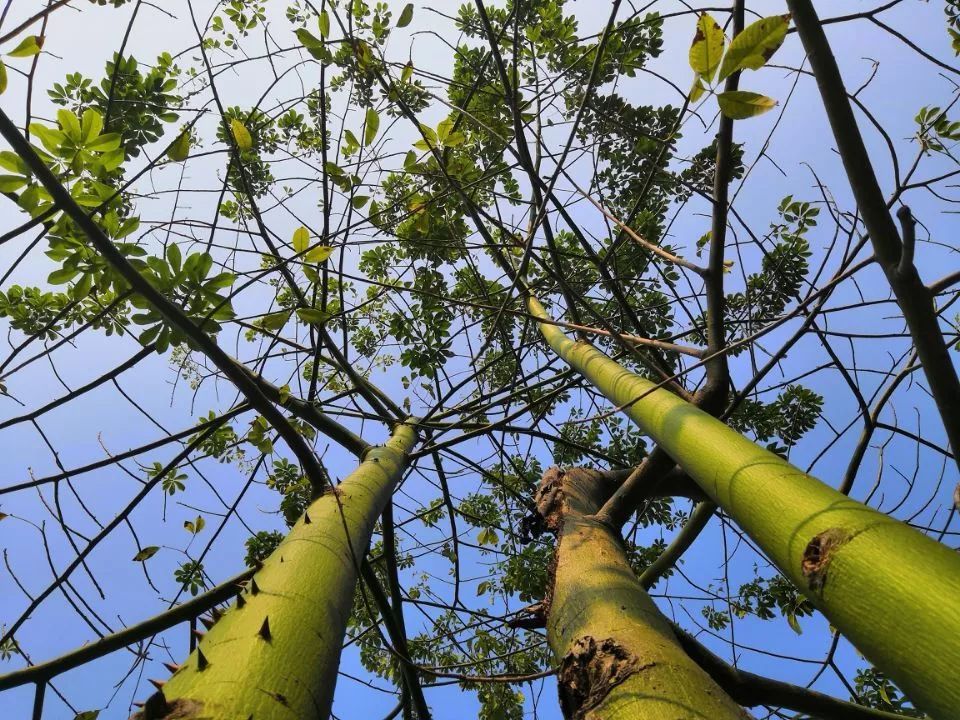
(199, 634)
(241, 600)
(158, 684)
(264, 631)
(254, 588)
(202, 661)
(306, 518)
(172, 667)
(207, 622)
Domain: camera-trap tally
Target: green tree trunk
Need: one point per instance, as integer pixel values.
(618, 657)
(893, 591)
(275, 653)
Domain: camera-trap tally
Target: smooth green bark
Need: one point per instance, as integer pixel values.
(890, 589)
(275, 653)
(619, 658)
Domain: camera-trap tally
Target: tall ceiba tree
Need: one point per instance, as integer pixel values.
(400, 289)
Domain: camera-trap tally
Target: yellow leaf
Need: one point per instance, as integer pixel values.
(740, 104)
(3, 77)
(301, 239)
(241, 136)
(751, 49)
(319, 254)
(180, 149)
(30, 45)
(697, 91)
(707, 47)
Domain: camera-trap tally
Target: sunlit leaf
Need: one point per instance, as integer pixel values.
(372, 125)
(180, 149)
(30, 45)
(318, 254)
(698, 89)
(105, 143)
(70, 124)
(751, 49)
(241, 136)
(145, 554)
(313, 316)
(3, 77)
(301, 239)
(741, 104)
(707, 47)
(324, 22)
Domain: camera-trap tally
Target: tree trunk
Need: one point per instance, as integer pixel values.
(891, 590)
(618, 656)
(276, 652)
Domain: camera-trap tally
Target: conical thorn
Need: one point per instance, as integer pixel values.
(158, 684)
(172, 667)
(207, 622)
(254, 588)
(306, 518)
(202, 661)
(241, 600)
(265, 629)
(199, 634)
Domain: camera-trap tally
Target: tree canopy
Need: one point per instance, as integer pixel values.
(420, 340)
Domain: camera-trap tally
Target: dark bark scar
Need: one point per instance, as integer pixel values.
(818, 553)
(589, 671)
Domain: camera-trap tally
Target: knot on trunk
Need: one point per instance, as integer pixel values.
(589, 671)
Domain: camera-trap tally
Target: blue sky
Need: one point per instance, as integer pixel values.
(83, 430)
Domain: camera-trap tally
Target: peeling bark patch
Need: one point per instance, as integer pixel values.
(589, 671)
(549, 499)
(817, 556)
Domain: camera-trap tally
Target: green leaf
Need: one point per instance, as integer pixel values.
(29, 46)
(241, 136)
(324, 22)
(91, 124)
(794, 624)
(70, 124)
(87, 715)
(313, 45)
(371, 127)
(751, 49)
(9, 183)
(284, 394)
(359, 201)
(407, 72)
(145, 554)
(174, 257)
(313, 316)
(301, 239)
(61, 276)
(3, 77)
(104, 143)
(180, 149)
(406, 15)
(741, 104)
(487, 536)
(274, 321)
(319, 254)
(707, 47)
